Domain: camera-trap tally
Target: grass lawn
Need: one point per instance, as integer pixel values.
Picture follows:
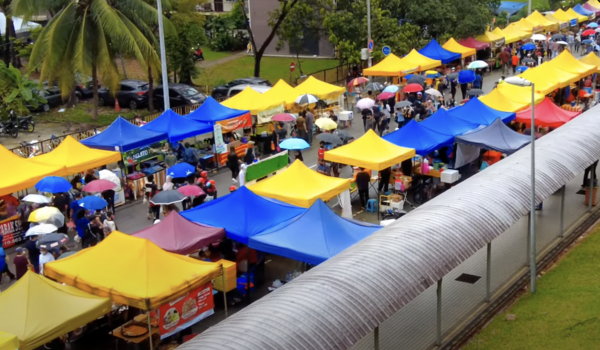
(81, 114)
(563, 314)
(272, 68)
(210, 55)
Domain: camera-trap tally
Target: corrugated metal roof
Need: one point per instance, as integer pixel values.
(337, 303)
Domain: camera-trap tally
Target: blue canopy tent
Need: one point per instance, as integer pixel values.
(497, 137)
(125, 136)
(242, 214)
(445, 123)
(177, 127)
(582, 11)
(476, 112)
(423, 140)
(329, 234)
(434, 51)
(212, 111)
(510, 7)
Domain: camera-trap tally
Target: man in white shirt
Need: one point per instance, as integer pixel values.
(45, 257)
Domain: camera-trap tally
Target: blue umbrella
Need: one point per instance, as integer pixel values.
(295, 144)
(392, 88)
(592, 25)
(53, 184)
(180, 170)
(92, 203)
(587, 41)
(521, 69)
(529, 47)
(466, 76)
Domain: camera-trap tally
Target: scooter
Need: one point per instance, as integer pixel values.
(25, 123)
(9, 128)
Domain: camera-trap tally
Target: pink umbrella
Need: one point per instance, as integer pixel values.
(190, 190)
(99, 186)
(283, 117)
(385, 95)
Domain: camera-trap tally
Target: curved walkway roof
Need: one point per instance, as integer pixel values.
(340, 301)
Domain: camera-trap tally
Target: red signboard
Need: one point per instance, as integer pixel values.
(181, 313)
(243, 121)
(292, 66)
(12, 231)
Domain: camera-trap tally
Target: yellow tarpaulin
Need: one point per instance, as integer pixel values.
(519, 94)
(300, 186)
(77, 157)
(573, 14)
(22, 173)
(521, 27)
(251, 100)
(453, 46)
(488, 37)
(566, 62)
(554, 19)
(370, 151)
(547, 78)
(38, 310)
(498, 101)
(8, 341)
(319, 88)
(536, 18)
(391, 66)
(510, 34)
(414, 58)
(594, 3)
(563, 16)
(592, 59)
(282, 91)
(132, 271)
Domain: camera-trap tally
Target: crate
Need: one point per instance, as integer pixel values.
(230, 270)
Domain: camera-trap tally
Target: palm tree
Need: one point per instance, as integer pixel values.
(84, 36)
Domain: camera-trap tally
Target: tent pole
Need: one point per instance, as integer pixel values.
(224, 289)
(248, 274)
(150, 331)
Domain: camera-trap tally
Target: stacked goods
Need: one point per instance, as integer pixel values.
(230, 271)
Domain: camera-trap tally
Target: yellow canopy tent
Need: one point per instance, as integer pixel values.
(8, 341)
(415, 59)
(38, 310)
(132, 271)
(370, 151)
(510, 34)
(548, 78)
(251, 100)
(562, 23)
(538, 19)
(573, 14)
(563, 16)
(591, 59)
(282, 91)
(594, 3)
(566, 62)
(77, 157)
(453, 46)
(519, 94)
(391, 66)
(521, 27)
(498, 101)
(319, 88)
(489, 37)
(301, 186)
(21, 173)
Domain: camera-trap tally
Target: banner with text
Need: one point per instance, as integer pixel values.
(12, 231)
(243, 121)
(181, 313)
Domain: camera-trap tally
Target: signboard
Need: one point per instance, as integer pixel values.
(573, 22)
(265, 116)
(386, 50)
(12, 230)
(499, 43)
(292, 66)
(143, 153)
(229, 125)
(181, 313)
(220, 146)
(370, 45)
(563, 25)
(266, 166)
(537, 29)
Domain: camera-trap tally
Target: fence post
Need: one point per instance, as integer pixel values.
(528, 240)
(562, 212)
(439, 313)
(488, 274)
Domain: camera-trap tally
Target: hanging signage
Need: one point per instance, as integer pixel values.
(182, 313)
(499, 43)
(573, 22)
(229, 125)
(143, 153)
(12, 231)
(370, 45)
(563, 25)
(265, 116)
(220, 146)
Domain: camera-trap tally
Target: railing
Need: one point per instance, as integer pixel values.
(331, 75)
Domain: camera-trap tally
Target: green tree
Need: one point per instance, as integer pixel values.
(17, 90)
(24, 46)
(83, 37)
(179, 55)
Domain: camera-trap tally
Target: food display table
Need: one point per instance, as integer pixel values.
(117, 332)
(137, 182)
(240, 150)
(568, 107)
(432, 172)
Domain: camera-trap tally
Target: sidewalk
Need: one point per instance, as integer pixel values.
(211, 64)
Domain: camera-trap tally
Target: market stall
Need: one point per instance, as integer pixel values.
(566, 62)
(497, 136)
(495, 41)
(329, 234)
(477, 111)
(282, 91)
(177, 235)
(584, 12)
(525, 26)
(8, 341)
(320, 89)
(593, 60)
(511, 34)
(415, 59)
(562, 16)
(300, 185)
(242, 214)
(520, 94)
(539, 20)
(591, 8)
(454, 46)
(391, 66)
(435, 51)
(422, 140)
(547, 114)
(499, 102)
(38, 310)
(444, 122)
(177, 127)
(474, 43)
(548, 78)
(258, 104)
(580, 18)
(563, 24)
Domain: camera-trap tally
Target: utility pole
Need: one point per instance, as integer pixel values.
(529, 8)
(163, 55)
(369, 60)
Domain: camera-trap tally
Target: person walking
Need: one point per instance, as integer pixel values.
(151, 190)
(33, 252)
(21, 262)
(45, 257)
(310, 120)
(362, 183)
(233, 163)
(571, 41)
(505, 59)
(384, 179)
(5, 269)
(515, 62)
(170, 159)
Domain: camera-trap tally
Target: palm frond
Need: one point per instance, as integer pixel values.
(29, 8)
(104, 62)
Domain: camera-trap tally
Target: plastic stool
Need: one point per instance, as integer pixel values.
(372, 205)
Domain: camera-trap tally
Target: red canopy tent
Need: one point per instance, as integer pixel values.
(475, 44)
(546, 114)
(176, 234)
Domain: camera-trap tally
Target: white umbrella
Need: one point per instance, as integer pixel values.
(433, 92)
(365, 103)
(562, 43)
(597, 30)
(477, 65)
(306, 99)
(36, 198)
(110, 176)
(41, 229)
(538, 37)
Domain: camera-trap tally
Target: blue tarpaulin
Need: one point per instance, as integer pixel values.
(510, 7)
(497, 137)
(242, 214)
(212, 111)
(434, 51)
(476, 112)
(582, 11)
(423, 140)
(125, 136)
(314, 236)
(445, 123)
(177, 127)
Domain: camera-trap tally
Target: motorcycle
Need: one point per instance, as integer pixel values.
(25, 123)
(197, 54)
(9, 128)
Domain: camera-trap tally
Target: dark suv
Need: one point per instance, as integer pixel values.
(132, 94)
(220, 92)
(179, 95)
(53, 99)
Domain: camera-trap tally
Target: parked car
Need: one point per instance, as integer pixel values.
(53, 99)
(179, 95)
(239, 88)
(132, 94)
(84, 85)
(221, 91)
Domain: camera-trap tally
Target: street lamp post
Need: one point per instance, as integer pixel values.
(532, 251)
(163, 55)
(369, 59)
